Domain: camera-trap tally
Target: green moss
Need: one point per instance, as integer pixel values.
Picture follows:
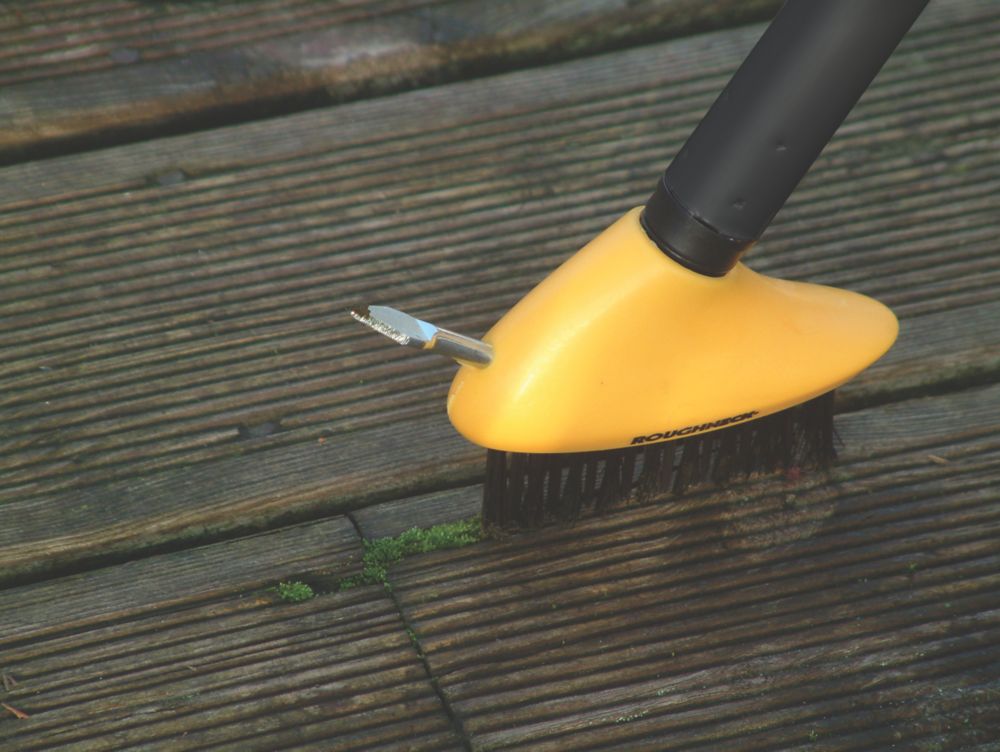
(381, 553)
(632, 717)
(415, 641)
(294, 592)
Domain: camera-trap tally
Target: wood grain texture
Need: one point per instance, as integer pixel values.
(100, 69)
(176, 358)
(855, 612)
(178, 579)
(191, 649)
(185, 505)
(391, 518)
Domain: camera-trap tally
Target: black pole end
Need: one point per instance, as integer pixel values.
(688, 240)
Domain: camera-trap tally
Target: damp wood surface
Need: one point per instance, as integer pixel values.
(188, 416)
(86, 73)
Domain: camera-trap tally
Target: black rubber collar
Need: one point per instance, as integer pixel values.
(692, 242)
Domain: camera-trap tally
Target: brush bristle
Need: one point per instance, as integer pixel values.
(524, 491)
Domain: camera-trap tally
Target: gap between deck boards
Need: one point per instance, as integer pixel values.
(863, 431)
(158, 72)
(195, 648)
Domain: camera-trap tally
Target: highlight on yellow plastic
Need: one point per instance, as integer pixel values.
(622, 346)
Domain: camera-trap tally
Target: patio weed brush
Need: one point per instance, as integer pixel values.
(653, 360)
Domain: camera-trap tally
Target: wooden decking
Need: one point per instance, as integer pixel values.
(194, 195)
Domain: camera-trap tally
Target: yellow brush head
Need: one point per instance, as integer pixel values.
(622, 346)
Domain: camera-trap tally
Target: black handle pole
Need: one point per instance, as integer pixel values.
(772, 120)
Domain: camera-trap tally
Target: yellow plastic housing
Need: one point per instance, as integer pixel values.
(622, 346)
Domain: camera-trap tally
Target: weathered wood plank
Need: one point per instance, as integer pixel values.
(854, 612)
(98, 70)
(190, 649)
(926, 360)
(175, 338)
(180, 579)
(391, 518)
(182, 506)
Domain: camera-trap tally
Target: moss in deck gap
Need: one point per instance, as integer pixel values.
(294, 592)
(381, 553)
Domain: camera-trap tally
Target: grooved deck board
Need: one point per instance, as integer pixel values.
(856, 612)
(82, 69)
(174, 346)
(391, 518)
(191, 649)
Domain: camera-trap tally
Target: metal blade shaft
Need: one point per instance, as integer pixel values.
(404, 329)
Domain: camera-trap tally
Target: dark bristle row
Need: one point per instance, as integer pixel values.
(524, 491)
